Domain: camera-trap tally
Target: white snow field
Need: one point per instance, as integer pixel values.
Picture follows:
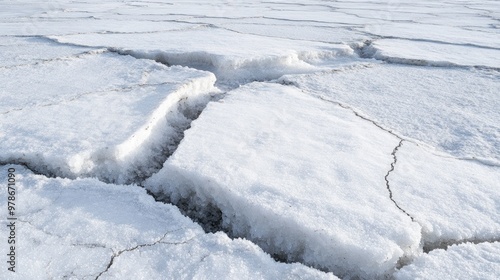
(86, 229)
(352, 139)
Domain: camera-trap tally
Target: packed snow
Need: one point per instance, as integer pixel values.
(456, 200)
(86, 229)
(100, 112)
(455, 110)
(299, 176)
(359, 138)
(464, 261)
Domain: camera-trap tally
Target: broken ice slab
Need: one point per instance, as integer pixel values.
(86, 229)
(301, 177)
(233, 57)
(433, 54)
(454, 200)
(455, 110)
(100, 114)
(464, 261)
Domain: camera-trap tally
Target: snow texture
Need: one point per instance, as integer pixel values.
(358, 137)
(230, 55)
(455, 110)
(102, 114)
(464, 261)
(453, 200)
(119, 232)
(301, 177)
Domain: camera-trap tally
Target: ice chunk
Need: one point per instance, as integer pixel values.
(101, 115)
(455, 110)
(301, 177)
(84, 228)
(464, 261)
(230, 55)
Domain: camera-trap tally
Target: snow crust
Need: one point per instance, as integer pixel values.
(454, 110)
(433, 54)
(452, 199)
(299, 176)
(88, 222)
(230, 55)
(102, 114)
(464, 261)
(388, 113)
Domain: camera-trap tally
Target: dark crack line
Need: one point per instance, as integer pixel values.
(159, 241)
(393, 154)
(393, 164)
(344, 106)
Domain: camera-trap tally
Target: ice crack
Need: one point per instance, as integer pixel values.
(159, 241)
(393, 164)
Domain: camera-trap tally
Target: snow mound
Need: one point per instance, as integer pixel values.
(233, 57)
(86, 229)
(301, 177)
(453, 200)
(102, 115)
(464, 261)
(455, 110)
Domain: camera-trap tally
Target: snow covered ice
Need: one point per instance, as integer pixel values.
(353, 139)
(288, 179)
(84, 229)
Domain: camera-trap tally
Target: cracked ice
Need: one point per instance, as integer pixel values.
(280, 139)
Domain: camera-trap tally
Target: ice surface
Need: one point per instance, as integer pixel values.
(19, 51)
(306, 169)
(99, 114)
(464, 261)
(434, 54)
(452, 199)
(438, 33)
(230, 55)
(74, 228)
(301, 177)
(455, 110)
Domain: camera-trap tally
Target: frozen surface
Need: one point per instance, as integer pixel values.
(311, 170)
(464, 261)
(21, 51)
(453, 200)
(301, 177)
(102, 114)
(455, 110)
(433, 54)
(230, 55)
(91, 223)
